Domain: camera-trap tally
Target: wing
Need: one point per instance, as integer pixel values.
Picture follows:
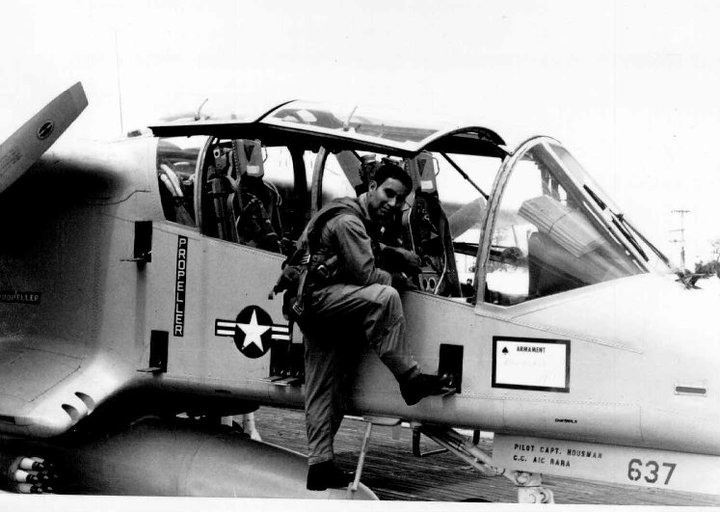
(47, 386)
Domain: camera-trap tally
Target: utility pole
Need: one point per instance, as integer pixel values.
(682, 235)
(119, 89)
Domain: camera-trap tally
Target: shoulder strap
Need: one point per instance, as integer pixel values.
(328, 212)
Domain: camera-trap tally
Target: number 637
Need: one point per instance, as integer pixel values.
(650, 471)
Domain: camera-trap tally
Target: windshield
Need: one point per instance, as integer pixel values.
(548, 238)
(654, 258)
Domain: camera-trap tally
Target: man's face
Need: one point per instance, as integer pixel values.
(386, 197)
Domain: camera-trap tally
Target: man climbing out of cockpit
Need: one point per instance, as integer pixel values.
(347, 297)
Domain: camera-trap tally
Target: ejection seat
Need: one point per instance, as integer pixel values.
(429, 231)
(221, 190)
(258, 222)
(172, 195)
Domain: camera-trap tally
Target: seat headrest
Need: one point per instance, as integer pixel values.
(249, 157)
(422, 169)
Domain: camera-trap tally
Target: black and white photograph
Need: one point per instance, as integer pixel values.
(403, 253)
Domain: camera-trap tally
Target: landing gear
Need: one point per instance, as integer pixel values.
(371, 420)
(530, 489)
(529, 485)
(245, 422)
(461, 446)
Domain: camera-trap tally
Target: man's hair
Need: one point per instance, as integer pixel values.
(389, 170)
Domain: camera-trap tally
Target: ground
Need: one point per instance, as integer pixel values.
(394, 473)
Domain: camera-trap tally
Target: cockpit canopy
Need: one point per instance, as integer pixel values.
(347, 128)
(516, 226)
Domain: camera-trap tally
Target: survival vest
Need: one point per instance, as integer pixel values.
(307, 268)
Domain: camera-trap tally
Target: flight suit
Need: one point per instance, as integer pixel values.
(357, 308)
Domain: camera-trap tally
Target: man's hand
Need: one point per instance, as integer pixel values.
(399, 259)
(401, 282)
(411, 259)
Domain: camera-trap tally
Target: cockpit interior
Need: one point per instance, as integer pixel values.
(519, 226)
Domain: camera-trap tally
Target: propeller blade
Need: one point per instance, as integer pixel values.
(24, 147)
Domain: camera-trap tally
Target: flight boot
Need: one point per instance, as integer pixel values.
(327, 474)
(420, 385)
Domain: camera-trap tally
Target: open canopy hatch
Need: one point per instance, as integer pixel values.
(310, 125)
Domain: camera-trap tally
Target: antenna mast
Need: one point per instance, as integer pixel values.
(117, 74)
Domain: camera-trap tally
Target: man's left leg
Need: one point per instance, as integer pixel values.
(325, 366)
(378, 309)
(387, 337)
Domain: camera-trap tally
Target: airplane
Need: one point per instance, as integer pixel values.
(135, 291)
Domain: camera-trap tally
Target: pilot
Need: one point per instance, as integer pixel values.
(358, 304)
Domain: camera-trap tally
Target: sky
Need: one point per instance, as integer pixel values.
(629, 87)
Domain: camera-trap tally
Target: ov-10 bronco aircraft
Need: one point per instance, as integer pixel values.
(135, 308)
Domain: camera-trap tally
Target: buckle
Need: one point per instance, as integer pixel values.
(298, 308)
(322, 271)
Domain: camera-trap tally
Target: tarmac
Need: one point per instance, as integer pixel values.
(394, 473)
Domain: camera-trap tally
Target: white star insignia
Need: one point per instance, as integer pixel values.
(253, 331)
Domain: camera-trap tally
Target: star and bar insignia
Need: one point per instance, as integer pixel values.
(253, 331)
